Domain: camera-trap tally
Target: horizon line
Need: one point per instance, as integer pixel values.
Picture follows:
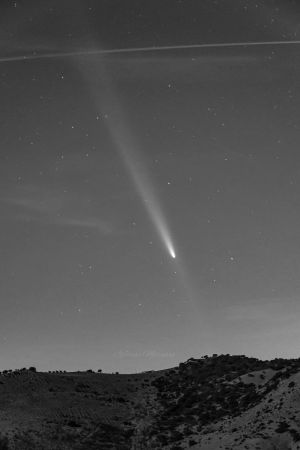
(142, 50)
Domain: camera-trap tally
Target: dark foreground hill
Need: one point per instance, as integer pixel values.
(211, 403)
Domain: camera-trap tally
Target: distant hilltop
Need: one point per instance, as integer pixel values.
(211, 403)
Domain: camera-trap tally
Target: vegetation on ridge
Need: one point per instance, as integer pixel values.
(172, 409)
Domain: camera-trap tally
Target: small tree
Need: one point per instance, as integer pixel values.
(32, 369)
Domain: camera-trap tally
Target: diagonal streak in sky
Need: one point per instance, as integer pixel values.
(127, 147)
(35, 54)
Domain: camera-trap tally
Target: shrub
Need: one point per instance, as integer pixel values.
(32, 369)
(4, 443)
(176, 436)
(282, 427)
(295, 434)
(73, 423)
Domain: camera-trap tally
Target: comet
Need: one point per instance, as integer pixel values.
(125, 142)
(128, 147)
(132, 159)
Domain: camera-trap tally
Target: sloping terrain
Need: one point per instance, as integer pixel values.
(72, 410)
(228, 402)
(220, 402)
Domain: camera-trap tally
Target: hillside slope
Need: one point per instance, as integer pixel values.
(211, 403)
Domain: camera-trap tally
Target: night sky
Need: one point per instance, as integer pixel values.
(114, 163)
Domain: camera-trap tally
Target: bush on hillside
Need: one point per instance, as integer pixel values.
(282, 427)
(4, 443)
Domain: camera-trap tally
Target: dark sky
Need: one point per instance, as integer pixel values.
(111, 162)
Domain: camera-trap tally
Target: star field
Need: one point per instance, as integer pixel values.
(109, 163)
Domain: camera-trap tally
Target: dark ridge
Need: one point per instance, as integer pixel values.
(176, 408)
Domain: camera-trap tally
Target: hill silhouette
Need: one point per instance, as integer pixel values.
(214, 402)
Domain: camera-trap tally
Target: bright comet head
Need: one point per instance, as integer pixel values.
(172, 253)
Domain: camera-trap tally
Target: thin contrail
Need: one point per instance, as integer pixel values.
(141, 50)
